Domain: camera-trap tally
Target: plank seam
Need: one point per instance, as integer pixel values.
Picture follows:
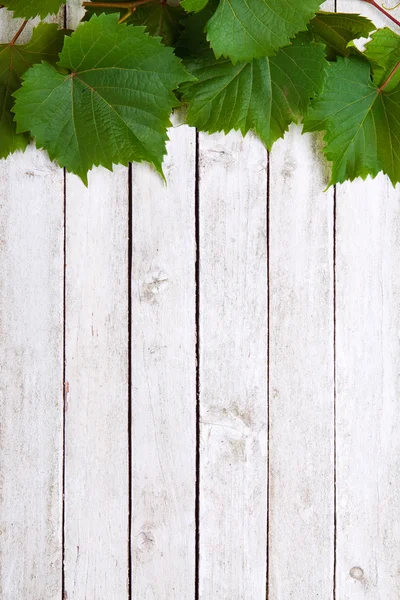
(130, 262)
(268, 361)
(64, 326)
(334, 391)
(334, 401)
(197, 351)
(64, 383)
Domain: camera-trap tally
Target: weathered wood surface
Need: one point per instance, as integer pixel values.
(368, 392)
(31, 371)
(233, 367)
(163, 400)
(96, 387)
(96, 521)
(301, 374)
(368, 385)
(231, 373)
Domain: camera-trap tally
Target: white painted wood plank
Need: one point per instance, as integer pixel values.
(368, 391)
(96, 372)
(233, 368)
(301, 373)
(368, 386)
(164, 375)
(97, 391)
(31, 366)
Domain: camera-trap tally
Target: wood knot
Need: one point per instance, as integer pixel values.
(357, 573)
(146, 541)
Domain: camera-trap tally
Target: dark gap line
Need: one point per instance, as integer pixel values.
(197, 350)
(268, 361)
(64, 382)
(334, 389)
(64, 367)
(130, 260)
(334, 395)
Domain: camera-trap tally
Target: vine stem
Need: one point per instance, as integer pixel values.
(20, 30)
(131, 6)
(382, 10)
(394, 71)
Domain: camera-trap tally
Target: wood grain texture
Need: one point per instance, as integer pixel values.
(301, 373)
(96, 373)
(368, 385)
(233, 367)
(97, 391)
(368, 391)
(31, 345)
(164, 375)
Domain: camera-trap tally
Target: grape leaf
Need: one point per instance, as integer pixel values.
(361, 121)
(194, 5)
(246, 29)
(192, 39)
(264, 95)
(27, 9)
(383, 51)
(45, 44)
(159, 19)
(112, 106)
(336, 30)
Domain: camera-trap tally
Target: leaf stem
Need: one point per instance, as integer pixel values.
(130, 6)
(394, 71)
(383, 10)
(126, 16)
(20, 30)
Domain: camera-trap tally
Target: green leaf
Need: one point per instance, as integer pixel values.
(246, 29)
(336, 30)
(114, 104)
(264, 95)
(194, 5)
(28, 9)
(45, 44)
(193, 40)
(383, 51)
(361, 122)
(159, 19)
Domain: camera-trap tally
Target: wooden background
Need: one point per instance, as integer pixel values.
(199, 382)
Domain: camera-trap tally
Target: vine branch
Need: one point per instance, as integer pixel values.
(382, 10)
(394, 71)
(20, 30)
(131, 6)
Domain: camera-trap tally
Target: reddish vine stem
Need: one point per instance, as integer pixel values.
(392, 74)
(20, 30)
(382, 10)
(397, 22)
(129, 5)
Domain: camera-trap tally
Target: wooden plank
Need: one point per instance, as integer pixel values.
(96, 371)
(301, 373)
(368, 386)
(31, 370)
(233, 355)
(97, 391)
(31, 257)
(31, 300)
(164, 375)
(368, 391)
